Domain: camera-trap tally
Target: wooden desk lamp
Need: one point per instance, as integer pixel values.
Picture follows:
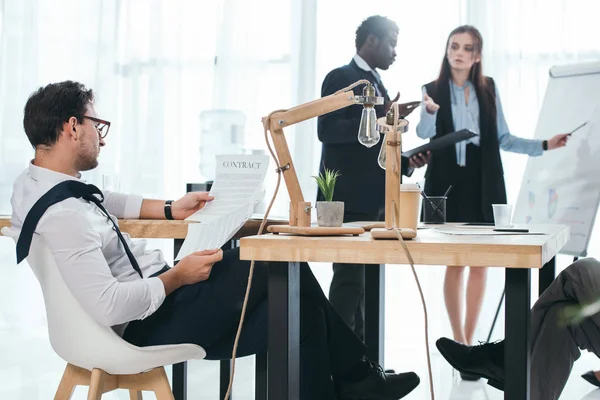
(392, 127)
(300, 210)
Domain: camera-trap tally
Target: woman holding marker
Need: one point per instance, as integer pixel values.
(463, 98)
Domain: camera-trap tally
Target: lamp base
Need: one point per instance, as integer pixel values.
(382, 233)
(316, 230)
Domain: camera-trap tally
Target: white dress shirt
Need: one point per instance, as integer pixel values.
(362, 64)
(88, 253)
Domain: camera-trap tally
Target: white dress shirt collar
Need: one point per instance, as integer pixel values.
(41, 174)
(362, 64)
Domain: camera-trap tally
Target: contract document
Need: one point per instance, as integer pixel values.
(237, 188)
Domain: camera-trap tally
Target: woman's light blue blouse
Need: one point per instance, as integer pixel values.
(466, 116)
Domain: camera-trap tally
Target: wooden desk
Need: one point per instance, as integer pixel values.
(163, 229)
(177, 230)
(517, 253)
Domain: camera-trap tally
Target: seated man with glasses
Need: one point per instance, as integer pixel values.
(123, 285)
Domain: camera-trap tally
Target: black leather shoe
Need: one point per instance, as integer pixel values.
(378, 386)
(469, 377)
(485, 360)
(591, 378)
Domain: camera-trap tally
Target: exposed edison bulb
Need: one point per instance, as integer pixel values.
(382, 153)
(368, 135)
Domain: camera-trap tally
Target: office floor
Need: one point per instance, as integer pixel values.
(29, 369)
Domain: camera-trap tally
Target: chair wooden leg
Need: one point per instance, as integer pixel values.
(97, 384)
(100, 382)
(135, 395)
(161, 385)
(154, 380)
(72, 377)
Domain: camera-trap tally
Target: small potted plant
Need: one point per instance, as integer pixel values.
(329, 213)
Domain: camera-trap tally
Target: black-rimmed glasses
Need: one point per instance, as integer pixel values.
(102, 126)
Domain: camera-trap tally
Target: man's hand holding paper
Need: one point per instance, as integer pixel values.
(236, 190)
(190, 204)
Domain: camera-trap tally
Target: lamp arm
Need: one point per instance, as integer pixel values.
(315, 108)
(277, 120)
(355, 84)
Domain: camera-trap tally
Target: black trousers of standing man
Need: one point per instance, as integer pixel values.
(207, 314)
(347, 290)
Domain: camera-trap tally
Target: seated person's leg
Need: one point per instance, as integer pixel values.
(554, 346)
(312, 348)
(347, 294)
(207, 314)
(204, 312)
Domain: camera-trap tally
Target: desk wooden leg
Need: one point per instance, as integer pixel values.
(375, 311)
(516, 345)
(283, 369)
(179, 377)
(547, 275)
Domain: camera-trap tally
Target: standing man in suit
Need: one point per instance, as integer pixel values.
(361, 185)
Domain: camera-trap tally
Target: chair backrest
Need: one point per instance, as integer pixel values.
(74, 335)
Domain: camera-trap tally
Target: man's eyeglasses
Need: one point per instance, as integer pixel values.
(102, 126)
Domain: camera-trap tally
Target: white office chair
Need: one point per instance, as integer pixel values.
(96, 356)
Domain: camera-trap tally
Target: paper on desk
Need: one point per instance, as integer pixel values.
(237, 189)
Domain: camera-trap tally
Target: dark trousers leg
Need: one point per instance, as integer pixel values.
(554, 346)
(347, 295)
(207, 314)
(347, 290)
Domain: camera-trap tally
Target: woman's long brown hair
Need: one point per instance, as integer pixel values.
(484, 92)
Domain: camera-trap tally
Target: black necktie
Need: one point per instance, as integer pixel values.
(58, 193)
(382, 89)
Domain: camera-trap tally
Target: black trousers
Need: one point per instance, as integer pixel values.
(207, 314)
(347, 290)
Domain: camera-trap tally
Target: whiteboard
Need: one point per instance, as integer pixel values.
(563, 186)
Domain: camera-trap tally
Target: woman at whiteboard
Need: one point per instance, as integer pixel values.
(463, 98)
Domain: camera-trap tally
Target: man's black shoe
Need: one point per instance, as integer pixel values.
(378, 386)
(485, 360)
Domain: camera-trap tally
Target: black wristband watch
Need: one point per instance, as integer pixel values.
(545, 145)
(168, 213)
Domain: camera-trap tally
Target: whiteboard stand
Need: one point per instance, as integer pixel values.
(563, 186)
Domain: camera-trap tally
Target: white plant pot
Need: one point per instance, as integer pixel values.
(330, 213)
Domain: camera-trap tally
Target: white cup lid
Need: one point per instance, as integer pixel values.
(409, 187)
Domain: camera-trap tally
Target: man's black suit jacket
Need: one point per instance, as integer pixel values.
(362, 182)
